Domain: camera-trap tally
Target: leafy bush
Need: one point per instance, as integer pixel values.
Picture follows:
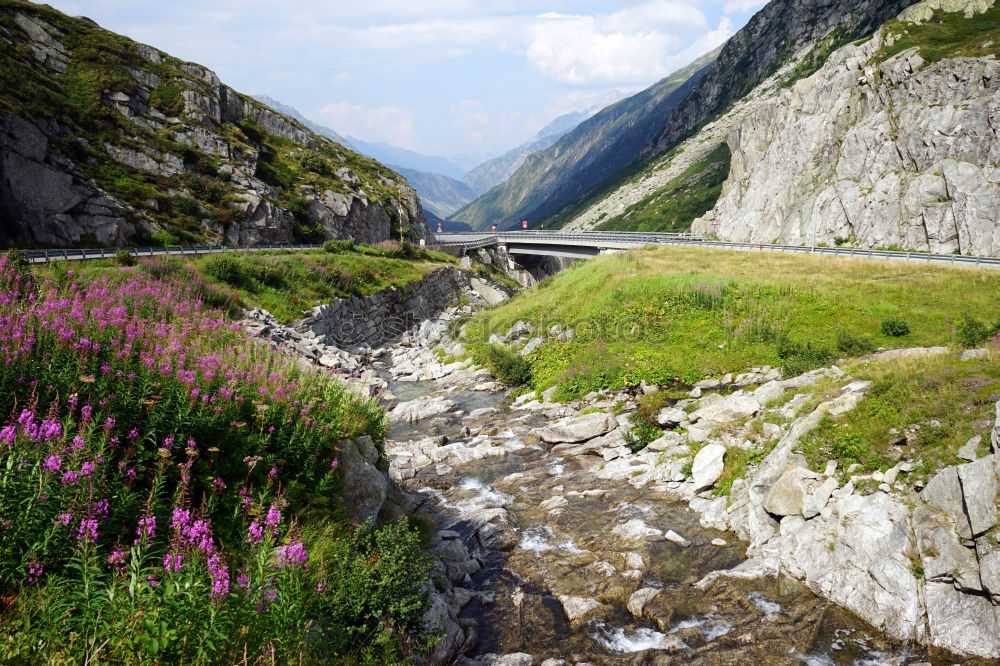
(895, 327)
(504, 364)
(854, 345)
(642, 433)
(339, 246)
(798, 358)
(226, 268)
(125, 258)
(972, 332)
(244, 271)
(310, 160)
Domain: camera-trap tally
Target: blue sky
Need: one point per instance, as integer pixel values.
(463, 79)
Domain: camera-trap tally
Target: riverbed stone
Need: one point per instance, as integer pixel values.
(578, 429)
(960, 622)
(638, 600)
(707, 466)
(412, 411)
(577, 607)
(637, 529)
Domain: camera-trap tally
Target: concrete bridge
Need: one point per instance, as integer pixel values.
(583, 244)
(571, 244)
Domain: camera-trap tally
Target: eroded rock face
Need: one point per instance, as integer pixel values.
(52, 195)
(900, 153)
(365, 486)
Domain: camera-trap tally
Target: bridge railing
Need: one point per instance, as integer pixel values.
(639, 239)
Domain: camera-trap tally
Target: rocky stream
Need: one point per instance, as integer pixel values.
(555, 543)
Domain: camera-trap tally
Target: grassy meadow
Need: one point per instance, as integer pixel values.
(674, 315)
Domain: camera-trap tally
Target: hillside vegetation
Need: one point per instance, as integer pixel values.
(171, 491)
(676, 315)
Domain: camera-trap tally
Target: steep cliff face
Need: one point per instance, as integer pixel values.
(892, 143)
(771, 38)
(106, 141)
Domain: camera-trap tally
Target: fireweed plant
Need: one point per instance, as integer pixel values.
(170, 490)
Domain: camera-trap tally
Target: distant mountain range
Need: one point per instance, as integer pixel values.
(444, 187)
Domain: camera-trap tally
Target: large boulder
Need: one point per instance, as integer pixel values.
(707, 466)
(733, 408)
(365, 487)
(578, 429)
(787, 497)
(417, 410)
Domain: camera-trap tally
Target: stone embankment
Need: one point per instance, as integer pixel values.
(347, 334)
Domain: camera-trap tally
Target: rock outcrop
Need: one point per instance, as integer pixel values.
(160, 151)
(872, 152)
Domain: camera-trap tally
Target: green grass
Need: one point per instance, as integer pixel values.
(283, 282)
(961, 396)
(947, 35)
(674, 315)
(818, 55)
(675, 205)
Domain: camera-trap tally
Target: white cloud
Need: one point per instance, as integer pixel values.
(629, 46)
(742, 6)
(391, 124)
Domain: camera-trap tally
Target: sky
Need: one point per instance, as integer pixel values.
(462, 79)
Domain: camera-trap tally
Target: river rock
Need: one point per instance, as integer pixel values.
(707, 466)
(640, 598)
(441, 619)
(674, 537)
(736, 407)
(417, 410)
(577, 607)
(962, 623)
(637, 529)
(448, 547)
(578, 429)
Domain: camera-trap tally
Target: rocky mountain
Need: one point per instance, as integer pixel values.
(585, 157)
(793, 37)
(295, 114)
(499, 169)
(439, 194)
(106, 141)
(892, 143)
(408, 159)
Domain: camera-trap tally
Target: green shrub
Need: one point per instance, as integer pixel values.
(971, 331)
(226, 268)
(310, 160)
(798, 358)
(124, 258)
(339, 246)
(650, 405)
(642, 433)
(187, 206)
(895, 327)
(854, 345)
(505, 365)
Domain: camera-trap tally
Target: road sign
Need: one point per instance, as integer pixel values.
(524, 224)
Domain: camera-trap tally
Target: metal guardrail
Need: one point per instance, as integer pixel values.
(44, 256)
(639, 239)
